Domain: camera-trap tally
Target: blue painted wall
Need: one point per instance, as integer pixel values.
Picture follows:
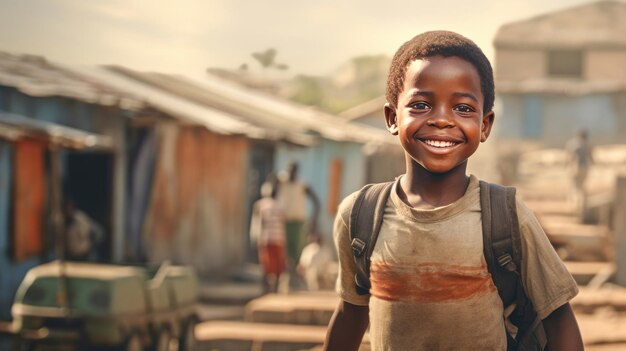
(314, 169)
(63, 111)
(532, 124)
(509, 116)
(554, 118)
(66, 112)
(11, 272)
(565, 115)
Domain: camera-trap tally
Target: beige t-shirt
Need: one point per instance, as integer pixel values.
(292, 198)
(431, 289)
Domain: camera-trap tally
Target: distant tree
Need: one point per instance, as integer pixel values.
(308, 91)
(267, 59)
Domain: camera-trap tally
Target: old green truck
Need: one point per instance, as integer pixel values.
(85, 306)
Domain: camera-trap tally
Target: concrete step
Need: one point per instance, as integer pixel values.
(585, 272)
(212, 312)
(244, 336)
(603, 330)
(576, 241)
(308, 308)
(589, 305)
(590, 299)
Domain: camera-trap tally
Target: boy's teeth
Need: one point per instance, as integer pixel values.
(439, 143)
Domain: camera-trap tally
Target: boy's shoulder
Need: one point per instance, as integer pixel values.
(524, 213)
(345, 207)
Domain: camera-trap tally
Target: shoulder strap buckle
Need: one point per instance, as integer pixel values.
(506, 262)
(358, 247)
(366, 217)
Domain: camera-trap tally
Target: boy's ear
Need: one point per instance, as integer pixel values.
(487, 124)
(391, 119)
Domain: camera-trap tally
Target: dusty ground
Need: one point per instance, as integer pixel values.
(603, 330)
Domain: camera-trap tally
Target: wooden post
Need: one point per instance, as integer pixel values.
(59, 225)
(619, 225)
(119, 192)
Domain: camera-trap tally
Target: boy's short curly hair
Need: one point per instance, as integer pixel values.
(446, 44)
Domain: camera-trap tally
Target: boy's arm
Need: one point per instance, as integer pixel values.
(548, 284)
(255, 224)
(350, 320)
(562, 330)
(346, 327)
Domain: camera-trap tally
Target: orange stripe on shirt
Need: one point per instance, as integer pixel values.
(429, 282)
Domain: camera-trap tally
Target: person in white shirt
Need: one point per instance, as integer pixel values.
(314, 263)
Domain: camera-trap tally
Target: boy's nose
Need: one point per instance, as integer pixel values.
(441, 119)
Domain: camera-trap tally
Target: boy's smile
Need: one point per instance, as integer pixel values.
(439, 116)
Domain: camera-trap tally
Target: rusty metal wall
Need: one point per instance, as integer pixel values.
(29, 199)
(197, 210)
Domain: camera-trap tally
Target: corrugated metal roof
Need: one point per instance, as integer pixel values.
(275, 127)
(220, 106)
(597, 24)
(15, 127)
(327, 125)
(365, 109)
(36, 76)
(182, 109)
(260, 109)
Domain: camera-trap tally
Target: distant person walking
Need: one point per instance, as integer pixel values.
(581, 159)
(267, 229)
(292, 194)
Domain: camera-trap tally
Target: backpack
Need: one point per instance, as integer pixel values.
(501, 247)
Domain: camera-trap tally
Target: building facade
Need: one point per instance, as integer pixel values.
(560, 73)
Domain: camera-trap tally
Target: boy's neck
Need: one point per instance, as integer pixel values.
(435, 189)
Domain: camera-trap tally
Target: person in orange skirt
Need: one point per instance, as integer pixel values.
(267, 229)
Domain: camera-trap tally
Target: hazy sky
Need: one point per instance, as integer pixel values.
(186, 36)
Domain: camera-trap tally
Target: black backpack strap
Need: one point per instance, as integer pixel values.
(503, 252)
(366, 218)
(501, 238)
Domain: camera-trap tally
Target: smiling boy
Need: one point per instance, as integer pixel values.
(430, 286)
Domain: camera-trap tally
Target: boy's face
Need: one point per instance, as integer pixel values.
(439, 116)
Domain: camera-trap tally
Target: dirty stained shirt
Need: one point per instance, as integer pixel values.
(431, 289)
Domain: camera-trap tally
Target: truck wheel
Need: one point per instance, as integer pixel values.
(188, 338)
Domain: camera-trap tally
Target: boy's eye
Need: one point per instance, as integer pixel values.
(463, 108)
(419, 106)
